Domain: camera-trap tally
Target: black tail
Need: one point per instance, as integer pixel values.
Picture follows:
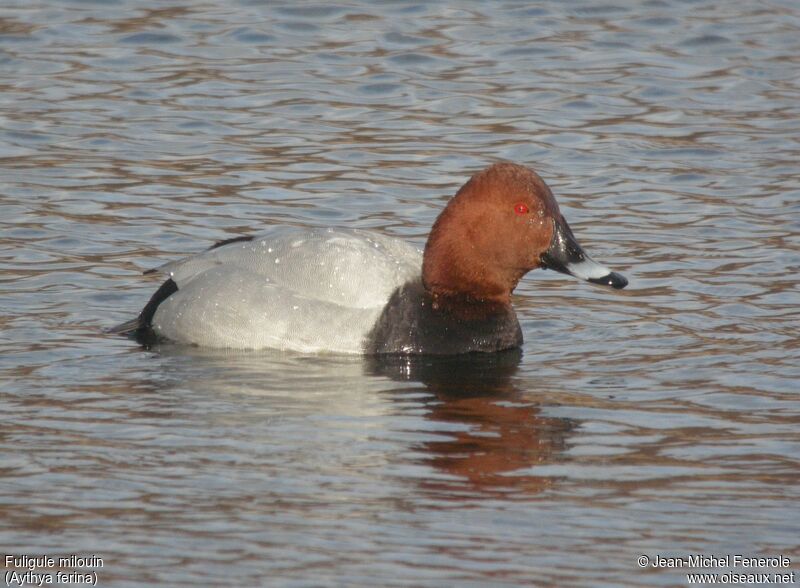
(141, 328)
(128, 328)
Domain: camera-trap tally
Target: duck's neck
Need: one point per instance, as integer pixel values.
(468, 286)
(465, 305)
(461, 268)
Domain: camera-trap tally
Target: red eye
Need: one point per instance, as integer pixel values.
(521, 208)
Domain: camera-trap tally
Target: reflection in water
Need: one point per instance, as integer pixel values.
(478, 427)
(503, 430)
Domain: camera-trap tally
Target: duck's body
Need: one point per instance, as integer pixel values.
(306, 290)
(358, 291)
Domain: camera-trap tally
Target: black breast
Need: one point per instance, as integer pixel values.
(412, 324)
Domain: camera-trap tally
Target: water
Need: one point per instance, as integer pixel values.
(660, 420)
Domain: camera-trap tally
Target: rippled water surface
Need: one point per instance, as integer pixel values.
(659, 420)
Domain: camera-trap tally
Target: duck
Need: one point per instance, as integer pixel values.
(356, 291)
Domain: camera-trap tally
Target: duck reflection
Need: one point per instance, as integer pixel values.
(481, 429)
(502, 432)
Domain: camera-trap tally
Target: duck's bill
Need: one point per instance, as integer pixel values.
(567, 257)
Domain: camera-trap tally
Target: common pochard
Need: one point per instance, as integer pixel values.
(358, 291)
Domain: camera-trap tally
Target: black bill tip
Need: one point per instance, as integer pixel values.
(613, 279)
